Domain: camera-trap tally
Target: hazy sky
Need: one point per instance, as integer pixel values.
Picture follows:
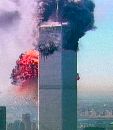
(95, 58)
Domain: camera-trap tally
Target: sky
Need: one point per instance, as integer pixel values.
(95, 57)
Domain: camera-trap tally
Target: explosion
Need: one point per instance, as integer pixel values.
(25, 75)
(26, 69)
(78, 14)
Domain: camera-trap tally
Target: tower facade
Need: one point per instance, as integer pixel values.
(2, 118)
(57, 81)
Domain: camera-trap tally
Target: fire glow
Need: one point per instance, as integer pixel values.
(26, 68)
(25, 75)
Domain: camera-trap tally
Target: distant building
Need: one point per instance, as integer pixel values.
(2, 118)
(94, 128)
(22, 126)
(10, 126)
(27, 121)
(18, 125)
(33, 126)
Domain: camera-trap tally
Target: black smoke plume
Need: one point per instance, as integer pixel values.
(79, 15)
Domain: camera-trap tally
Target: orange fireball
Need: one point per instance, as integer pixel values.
(26, 68)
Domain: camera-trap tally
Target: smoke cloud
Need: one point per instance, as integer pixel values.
(47, 9)
(78, 14)
(17, 2)
(8, 18)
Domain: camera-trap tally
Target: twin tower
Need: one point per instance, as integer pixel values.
(57, 81)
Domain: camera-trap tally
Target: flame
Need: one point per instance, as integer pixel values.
(25, 75)
(26, 68)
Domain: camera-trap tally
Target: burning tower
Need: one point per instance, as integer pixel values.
(57, 79)
(61, 25)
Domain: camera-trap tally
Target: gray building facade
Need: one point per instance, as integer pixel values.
(57, 81)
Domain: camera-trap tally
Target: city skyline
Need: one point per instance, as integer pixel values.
(25, 123)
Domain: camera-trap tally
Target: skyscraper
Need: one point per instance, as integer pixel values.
(27, 121)
(57, 80)
(2, 118)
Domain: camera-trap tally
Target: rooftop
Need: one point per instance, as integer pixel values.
(53, 24)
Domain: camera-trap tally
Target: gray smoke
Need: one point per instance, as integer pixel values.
(8, 18)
